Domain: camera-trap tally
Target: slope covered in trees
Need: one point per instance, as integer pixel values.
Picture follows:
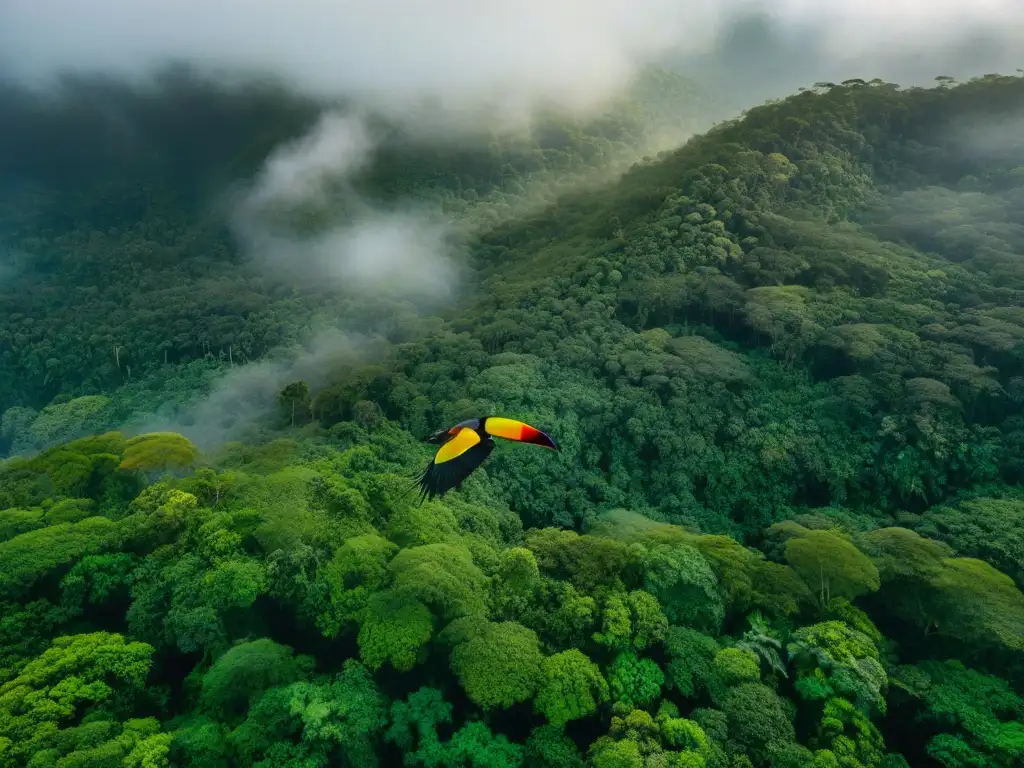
(115, 253)
(785, 365)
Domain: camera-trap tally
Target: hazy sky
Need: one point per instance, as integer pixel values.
(571, 50)
(910, 42)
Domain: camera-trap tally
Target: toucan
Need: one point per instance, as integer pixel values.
(465, 446)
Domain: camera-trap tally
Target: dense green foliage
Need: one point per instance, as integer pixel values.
(785, 365)
(122, 268)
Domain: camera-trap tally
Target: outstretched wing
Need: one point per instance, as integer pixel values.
(453, 463)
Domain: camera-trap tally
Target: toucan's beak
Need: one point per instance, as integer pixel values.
(521, 432)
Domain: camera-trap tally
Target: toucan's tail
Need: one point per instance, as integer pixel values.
(414, 485)
(417, 484)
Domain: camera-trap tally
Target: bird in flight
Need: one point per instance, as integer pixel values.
(464, 447)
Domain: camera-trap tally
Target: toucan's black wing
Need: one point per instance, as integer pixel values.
(453, 463)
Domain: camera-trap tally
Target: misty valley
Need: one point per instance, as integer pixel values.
(777, 345)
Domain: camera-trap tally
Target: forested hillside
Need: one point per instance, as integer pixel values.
(784, 363)
(114, 205)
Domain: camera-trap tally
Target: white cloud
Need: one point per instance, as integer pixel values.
(389, 252)
(393, 52)
(506, 54)
(300, 171)
(245, 398)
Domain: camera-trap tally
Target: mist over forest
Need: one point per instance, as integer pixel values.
(756, 269)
